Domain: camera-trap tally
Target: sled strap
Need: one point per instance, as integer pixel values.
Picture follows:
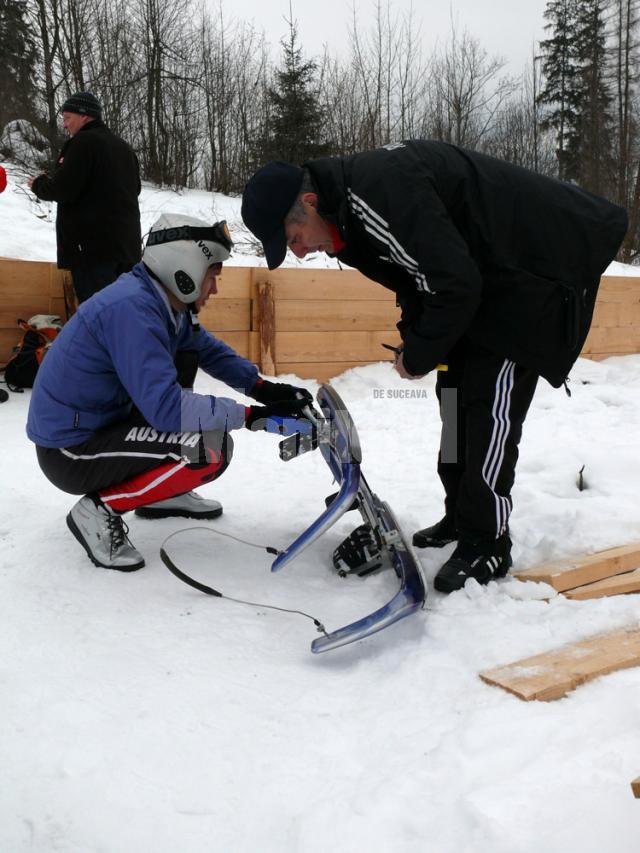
(181, 575)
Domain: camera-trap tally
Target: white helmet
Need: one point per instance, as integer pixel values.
(180, 250)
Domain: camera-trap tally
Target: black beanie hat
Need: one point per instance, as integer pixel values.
(83, 103)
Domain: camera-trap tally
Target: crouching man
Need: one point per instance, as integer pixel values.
(113, 414)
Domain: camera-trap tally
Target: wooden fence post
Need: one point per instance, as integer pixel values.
(267, 328)
(70, 303)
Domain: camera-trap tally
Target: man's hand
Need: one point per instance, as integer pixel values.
(402, 371)
(279, 419)
(30, 182)
(399, 367)
(279, 392)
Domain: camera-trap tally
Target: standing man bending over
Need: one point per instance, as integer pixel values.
(96, 184)
(112, 412)
(496, 270)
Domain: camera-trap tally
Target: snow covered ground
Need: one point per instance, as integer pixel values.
(138, 714)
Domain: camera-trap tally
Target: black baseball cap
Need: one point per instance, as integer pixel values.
(267, 198)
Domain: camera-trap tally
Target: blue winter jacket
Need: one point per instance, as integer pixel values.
(118, 351)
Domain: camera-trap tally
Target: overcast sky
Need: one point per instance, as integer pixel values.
(505, 27)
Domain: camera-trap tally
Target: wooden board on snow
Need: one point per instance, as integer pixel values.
(635, 787)
(577, 571)
(555, 673)
(617, 585)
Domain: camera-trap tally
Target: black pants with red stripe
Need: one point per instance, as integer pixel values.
(484, 399)
(130, 464)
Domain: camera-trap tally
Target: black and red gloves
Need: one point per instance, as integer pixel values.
(268, 393)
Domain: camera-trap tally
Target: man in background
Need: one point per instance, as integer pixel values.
(96, 184)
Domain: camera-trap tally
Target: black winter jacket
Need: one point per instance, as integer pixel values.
(96, 184)
(473, 246)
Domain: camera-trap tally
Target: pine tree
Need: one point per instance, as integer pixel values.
(626, 65)
(17, 60)
(295, 127)
(561, 91)
(594, 124)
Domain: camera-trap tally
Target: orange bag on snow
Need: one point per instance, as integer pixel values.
(39, 333)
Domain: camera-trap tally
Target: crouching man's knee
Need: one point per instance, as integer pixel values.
(213, 454)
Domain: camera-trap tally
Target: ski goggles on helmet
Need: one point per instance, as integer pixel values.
(218, 233)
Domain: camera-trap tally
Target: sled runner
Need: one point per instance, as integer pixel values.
(379, 542)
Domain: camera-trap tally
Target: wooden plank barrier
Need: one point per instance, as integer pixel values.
(615, 329)
(572, 572)
(314, 323)
(266, 326)
(228, 314)
(553, 674)
(328, 321)
(623, 584)
(27, 288)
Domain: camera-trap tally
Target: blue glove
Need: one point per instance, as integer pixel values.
(279, 418)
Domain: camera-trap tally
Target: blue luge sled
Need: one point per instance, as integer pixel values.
(339, 444)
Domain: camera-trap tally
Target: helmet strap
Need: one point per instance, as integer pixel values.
(192, 316)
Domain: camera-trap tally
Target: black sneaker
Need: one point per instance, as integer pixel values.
(482, 560)
(436, 536)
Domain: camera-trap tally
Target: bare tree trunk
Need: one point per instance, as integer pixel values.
(77, 37)
(45, 19)
(467, 91)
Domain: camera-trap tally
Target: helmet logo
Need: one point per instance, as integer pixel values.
(184, 282)
(205, 250)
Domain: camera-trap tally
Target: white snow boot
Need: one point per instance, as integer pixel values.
(103, 535)
(189, 505)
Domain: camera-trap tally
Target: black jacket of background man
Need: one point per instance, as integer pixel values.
(96, 184)
(473, 246)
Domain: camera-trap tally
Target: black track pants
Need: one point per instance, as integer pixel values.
(484, 399)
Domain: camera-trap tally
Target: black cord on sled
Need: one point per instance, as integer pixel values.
(208, 590)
